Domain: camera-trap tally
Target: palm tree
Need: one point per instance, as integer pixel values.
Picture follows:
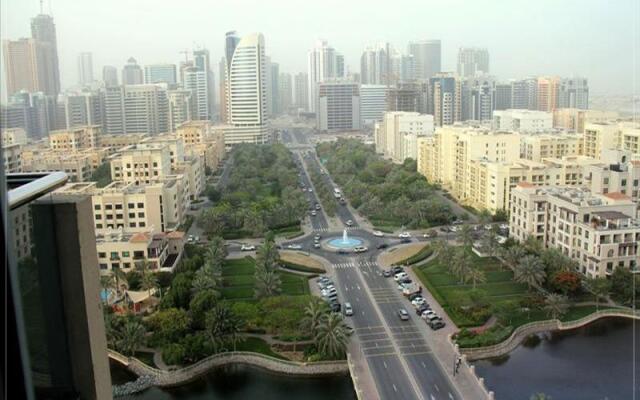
(533, 245)
(490, 241)
(234, 326)
(466, 236)
(530, 271)
(205, 279)
(149, 281)
(267, 255)
(313, 314)
(444, 252)
(600, 287)
(107, 282)
(512, 255)
(267, 284)
(132, 336)
(121, 279)
(332, 336)
(217, 252)
(215, 321)
(476, 275)
(459, 265)
(556, 305)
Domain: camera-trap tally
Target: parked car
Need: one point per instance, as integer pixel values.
(405, 240)
(377, 233)
(436, 324)
(316, 245)
(360, 249)
(382, 246)
(422, 309)
(342, 251)
(191, 239)
(317, 236)
(317, 206)
(418, 302)
(487, 227)
(326, 292)
(406, 280)
(314, 213)
(430, 234)
(457, 222)
(348, 310)
(335, 306)
(403, 314)
(504, 227)
(414, 296)
(310, 190)
(404, 235)
(294, 247)
(349, 223)
(397, 269)
(247, 247)
(501, 239)
(386, 273)
(400, 275)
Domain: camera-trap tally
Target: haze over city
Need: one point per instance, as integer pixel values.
(581, 38)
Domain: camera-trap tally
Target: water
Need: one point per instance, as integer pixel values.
(240, 382)
(592, 362)
(345, 242)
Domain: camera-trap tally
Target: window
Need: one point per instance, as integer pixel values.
(131, 205)
(109, 216)
(132, 224)
(141, 214)
(142, 224)
(114, 255)
(119, 216)
(103, 266)
(118, 206)
(108, 206)
(97, 207)
(98, 226)
(98, 216)
(140, 205)
(125, 254)
(102, 254)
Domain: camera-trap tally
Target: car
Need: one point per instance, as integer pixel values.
(342, 251)
(397, 269)
(413, 296)
(437, 324)
(310, 190)
(429, 314)
(324, 279)
(444, 229)
(328, 292)
(332, 297)
(453, 229)
(432, 317)
(400, 275)
(317, 237)
(360, 249)
(191, 238)
(314, 213)
(418, 301)
(421, 309)
(504, 227)
(348, 310)
(386, 273)
(349, 223)
(197, 239)
(382, 246)
(403, 314)
(405, 240)
(487, 227)
(304, 189)
(404, 235)
(406, 281)
(317, 206)
(247, 247)
(458, 222)
(316, 245)
(294, 247)
(430, 234)
(342, 201)
(378, 233)
(335, 307)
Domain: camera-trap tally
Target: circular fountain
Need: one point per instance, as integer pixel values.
(344, 243)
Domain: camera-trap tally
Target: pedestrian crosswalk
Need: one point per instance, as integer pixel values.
(358, 264)
(321, 229)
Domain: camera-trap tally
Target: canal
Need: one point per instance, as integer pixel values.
(592, 362)
(239, 382)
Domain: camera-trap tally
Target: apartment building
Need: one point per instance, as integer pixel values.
(573, 119)
(536, 147)
(162, 251)
(79, 165)
(338, 106)
(526, 121)
(74, 139)
(489, 184)
(599, 136)
(396, 136)
(113, 143)
(14, 136)
(141, 163)
(445, 159)
(12, 157)
(202, 138)
(598, 231)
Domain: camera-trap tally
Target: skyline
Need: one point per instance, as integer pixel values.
(570, 54)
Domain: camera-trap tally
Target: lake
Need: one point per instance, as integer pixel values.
(592, 362)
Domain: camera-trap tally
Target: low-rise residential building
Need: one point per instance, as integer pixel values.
(573, 119)
(13, 136)
(598, 231)
(79, 165)
(535, 147)
(526, 121)
(75, 139)
(113, 143)
(396, 136)
(12, 157)
(599, 136)
(141, 163)
(118, 250)
(202, 138)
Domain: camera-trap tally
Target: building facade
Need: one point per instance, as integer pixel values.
(338, 106)
(472, 61)
(522, 121)
(397, 136)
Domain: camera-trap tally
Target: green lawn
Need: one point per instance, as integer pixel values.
(238, 280)
(258, 345)
(499, 286)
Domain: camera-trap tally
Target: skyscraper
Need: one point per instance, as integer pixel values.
(85, 68)
(247, 92)
(160, 73)
(445, 99)
(202, 62)
(301, 91)
(195, 80)
(179, 107)
(548, 93)
(524, 94)
(132, 73)
(323, 64)
(110, 75)
(29, 66)
(503, 96)
(373, 103)
(402, 68)
(285, 92)
(231, 41)
(78, 109)
(338, 106)
(478, 98)
(375, 65)
(273, 85)
(426, 57)
(43, 29)
(472, 60)
(136, 109)
(573, 93)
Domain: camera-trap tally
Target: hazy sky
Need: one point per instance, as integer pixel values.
(590, 38)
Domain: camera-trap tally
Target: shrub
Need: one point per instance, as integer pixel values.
(173, 353)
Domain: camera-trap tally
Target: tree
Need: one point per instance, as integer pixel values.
(168, 326)
(149, 282)
(566, 282)
(314, 312)
(490, 242)
(202, 302)
(267, 284)
(179, 294)
(466, 236)
(131, 337)
(212, 194)
(506, 311)
(530, 271)
(217, 251)
(221, 325)
(622, 285)
(267, 255)
(476, 275)
(102, 175)
(512, 255)
(332, 337)
(554, 261)
(460, 265)
(444, 252)
(600, 287)
(122, 283)
(205, 279)
(556, 305)
(533, 245)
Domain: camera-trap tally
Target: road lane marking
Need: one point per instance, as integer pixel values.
(436, 386)
(450, 396)
(395, 389)
(385, 364)
(423, 365)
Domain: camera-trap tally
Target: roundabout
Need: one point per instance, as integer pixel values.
(343, 243)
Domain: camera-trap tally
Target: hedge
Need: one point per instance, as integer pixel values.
(422, 255)
(301, 268)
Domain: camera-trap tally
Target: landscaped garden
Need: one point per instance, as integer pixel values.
(261, 195)
(389, 195)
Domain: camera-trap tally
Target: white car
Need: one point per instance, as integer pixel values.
(454, 229)
(294, 247)
(501, 239)
(400, 275)
(487, 227)
(310, 190)
(504, 227)
(247, 247)
(404, 235)
(360, 249)
(314, 213)
(349, 223)
(417, 302)
(377, 233)
(191, 239)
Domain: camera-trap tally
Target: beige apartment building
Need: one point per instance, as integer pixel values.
(78, 165)
(75, 139)
(13, 136)
(123, 206)
(123, 250)
(573, 119)
(489, 184)
(12, 157)
(536, 147)
(396, 136)
(202, 138)
(598, 231)
(599, 136)
(141, 163)
(548, 93)
(113, 143)
(445, 159)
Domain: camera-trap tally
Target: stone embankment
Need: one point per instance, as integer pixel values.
(162, 378)
(524, 331)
